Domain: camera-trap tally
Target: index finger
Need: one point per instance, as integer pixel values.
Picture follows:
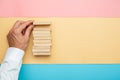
(17, 23)
(25, 25)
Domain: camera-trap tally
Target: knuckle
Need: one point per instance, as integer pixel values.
(23, 25)
(17, 21)
(27, 37)
(15, 31)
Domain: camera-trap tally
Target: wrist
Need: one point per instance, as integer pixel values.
(18, 49)
(23, 48)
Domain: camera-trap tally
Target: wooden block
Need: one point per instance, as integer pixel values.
(46, 41)
(42, 38)
(42, 23)
(37, 54)
(42, 45)
(41, 29)
(41, 32)
(41, 50)
(42, 41)
(41, 35)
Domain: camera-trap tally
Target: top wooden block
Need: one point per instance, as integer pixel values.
(42, 23)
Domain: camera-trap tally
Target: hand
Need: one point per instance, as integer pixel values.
(18, 36)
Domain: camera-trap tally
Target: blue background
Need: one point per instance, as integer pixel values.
(70, 72)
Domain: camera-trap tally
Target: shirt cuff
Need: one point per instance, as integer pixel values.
(14, 54)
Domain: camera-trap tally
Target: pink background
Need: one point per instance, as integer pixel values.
(60, 8)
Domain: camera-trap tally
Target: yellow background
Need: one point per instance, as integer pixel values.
(75, 40)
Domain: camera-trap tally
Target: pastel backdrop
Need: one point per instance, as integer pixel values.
(60, 8)
(94, 22)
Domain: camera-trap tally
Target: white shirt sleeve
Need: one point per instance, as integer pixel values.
(11, 64)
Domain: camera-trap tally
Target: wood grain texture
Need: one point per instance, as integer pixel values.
(40, 32)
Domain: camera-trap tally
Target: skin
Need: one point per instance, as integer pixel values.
(19, 35)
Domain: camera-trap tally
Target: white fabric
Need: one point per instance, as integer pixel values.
(11, 64)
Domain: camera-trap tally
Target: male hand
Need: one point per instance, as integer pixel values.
(18, 36)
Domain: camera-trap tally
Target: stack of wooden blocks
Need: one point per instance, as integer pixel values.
(42, 38)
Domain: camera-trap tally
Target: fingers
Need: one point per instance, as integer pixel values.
(29, 30)
(17, 24)
(24, 25)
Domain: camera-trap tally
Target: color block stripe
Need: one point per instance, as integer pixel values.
(70, 72)
(74, 41)
(60, 8)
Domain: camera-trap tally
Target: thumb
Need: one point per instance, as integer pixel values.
(29, 30)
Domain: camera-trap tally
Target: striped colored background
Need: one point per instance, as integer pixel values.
(64, 8)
